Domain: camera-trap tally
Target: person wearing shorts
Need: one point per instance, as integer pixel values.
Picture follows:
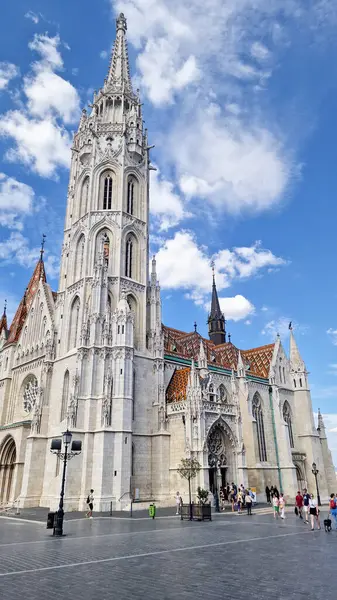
(306, 498)
(90, 503)
(276, 506)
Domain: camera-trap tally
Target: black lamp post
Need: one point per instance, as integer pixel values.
(315, 473)
(56, 448)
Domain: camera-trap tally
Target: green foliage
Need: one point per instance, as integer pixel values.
(202, 495)
(188, 468)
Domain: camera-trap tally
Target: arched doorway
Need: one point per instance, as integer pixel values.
(220, 451)
(7, 466)
(301, 482)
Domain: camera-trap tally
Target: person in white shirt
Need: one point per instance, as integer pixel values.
(178, 503)
(282, 505)
(314, 513)
(90, 503)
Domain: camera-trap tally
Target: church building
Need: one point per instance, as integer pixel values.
(95, 357)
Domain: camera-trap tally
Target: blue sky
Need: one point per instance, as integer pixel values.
(239, 99)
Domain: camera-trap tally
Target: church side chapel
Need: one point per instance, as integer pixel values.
(95, 357)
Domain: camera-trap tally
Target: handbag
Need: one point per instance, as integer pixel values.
(296, 511)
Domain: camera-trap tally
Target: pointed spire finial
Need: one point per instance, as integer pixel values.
(121, 22)
(229, 337)
(213, 271)
(42, 245)
(5, 307)
(195, 326)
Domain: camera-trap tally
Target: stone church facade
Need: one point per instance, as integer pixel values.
(95, 357)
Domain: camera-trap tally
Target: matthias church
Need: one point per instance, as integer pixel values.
(94, 356)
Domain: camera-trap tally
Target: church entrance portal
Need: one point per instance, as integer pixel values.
(217, 458)
(7, 466)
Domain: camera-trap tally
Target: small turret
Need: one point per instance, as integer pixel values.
(202, 360)
(297, 366)
(216, 320)
(241, 366)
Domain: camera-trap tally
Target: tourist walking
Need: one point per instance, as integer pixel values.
(268, 494)
(299, 504)
(306, 499)
(333, 508)
(239, 501)
(90, 503)
(249, 502)
(178, 503)
(276, 507)
(282, 505)
(314, 512)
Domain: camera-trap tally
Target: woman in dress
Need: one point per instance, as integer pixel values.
(314, 512)
(276, 506)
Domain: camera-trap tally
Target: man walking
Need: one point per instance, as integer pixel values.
(333, 508)
(306, 499)
(299, 504)
(249, 502)
(268, 494)
(90, 503)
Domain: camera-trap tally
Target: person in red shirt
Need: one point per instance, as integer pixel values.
(299, 504)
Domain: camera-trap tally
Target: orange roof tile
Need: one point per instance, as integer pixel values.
(176, 389)
(187, 345)
(26, 302)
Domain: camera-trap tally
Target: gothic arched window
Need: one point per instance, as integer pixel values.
(287, 418)
(211, 392)
(130, 195)
(129, 257)
(258, 416)
(74, 324)
(79, 258)
(65, 396)
(84, 196)
(107, 193)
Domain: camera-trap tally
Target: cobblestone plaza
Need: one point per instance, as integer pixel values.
(231, 557)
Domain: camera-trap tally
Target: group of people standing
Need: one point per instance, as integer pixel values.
(238, 496)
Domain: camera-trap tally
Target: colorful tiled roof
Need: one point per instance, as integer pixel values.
(187, 345)
(26, 302)
(176, 389)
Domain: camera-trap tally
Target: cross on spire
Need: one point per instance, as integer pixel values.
(5, 307)
(42, 245)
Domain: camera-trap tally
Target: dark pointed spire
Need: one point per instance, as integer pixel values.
(43, 241)
(216, 320)
(3, 320)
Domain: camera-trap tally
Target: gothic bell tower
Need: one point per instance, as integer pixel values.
(103, 288)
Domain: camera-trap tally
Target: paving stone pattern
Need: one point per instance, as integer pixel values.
(231, 557)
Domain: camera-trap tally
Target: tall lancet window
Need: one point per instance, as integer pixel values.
(74, 324)
(259, 425)
(84, 197)
(287, 418)
(131, 192)
(79, 258)
(107, 193)
(128, 257)
(65, 396)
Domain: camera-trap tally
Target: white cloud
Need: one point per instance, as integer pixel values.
(236, 308)
(165, 205)
(104, 54)
(42, 145)
(40, 140)
(246, 261)
(49, 94)
(281, 326)
(14, 195)
(184, 265)
(7, 72)
(47, 47)
(16, 249)
(259, 51)
(32, 16)
(237, 167)
(332, 333)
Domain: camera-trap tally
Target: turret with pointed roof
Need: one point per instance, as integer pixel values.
(3, 321)
(119, 70)
(216, 320)
(296, 361)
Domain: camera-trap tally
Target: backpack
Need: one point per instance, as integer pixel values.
(88, 500)
(332, 504)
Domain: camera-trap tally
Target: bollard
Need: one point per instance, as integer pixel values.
(152, 510)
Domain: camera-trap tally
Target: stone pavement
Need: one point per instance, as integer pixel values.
(107, 558)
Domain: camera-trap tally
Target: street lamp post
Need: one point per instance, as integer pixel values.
(56, 448)
(315, 473)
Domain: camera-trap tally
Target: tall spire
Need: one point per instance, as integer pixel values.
(216, 320)
(296, 361)
(119, 70)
